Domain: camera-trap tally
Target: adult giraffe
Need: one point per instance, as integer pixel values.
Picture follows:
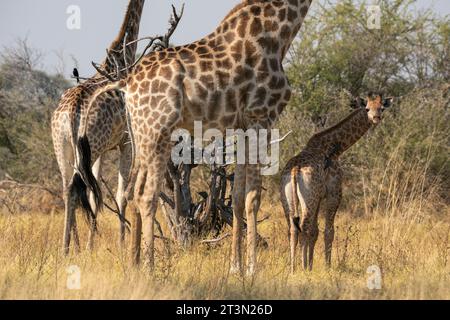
(231, 79)
(106, 130)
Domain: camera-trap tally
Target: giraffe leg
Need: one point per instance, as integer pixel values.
(252, 204)
(65, 158)
(314, 233)
(292, 230)
(96, 170)
(238, 220)
(293, 239)
(69, 213)
(153, 148)
(289, 221)
(309, 232)
(309, 196)
(136, 236)
(329, 235)
(147, 192)
(76, 238)
(303, 192)
(332, 202)
(124, 169)
(304, 241)
(136, 232)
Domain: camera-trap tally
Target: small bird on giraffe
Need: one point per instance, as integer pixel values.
(76, 74)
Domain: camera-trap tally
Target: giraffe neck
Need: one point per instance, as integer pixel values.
(336, 140)
(271, 25)
(297, 11)
(129, 32)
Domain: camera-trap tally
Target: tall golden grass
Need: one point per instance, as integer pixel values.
(395, 215)
(409, 244)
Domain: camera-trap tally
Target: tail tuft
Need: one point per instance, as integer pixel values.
(296, 221)
(80, 189)
(85, 169)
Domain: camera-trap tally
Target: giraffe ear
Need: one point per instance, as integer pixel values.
(358, 103)
(387, 102)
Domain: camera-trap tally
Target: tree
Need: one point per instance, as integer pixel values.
(337, 56)
(28, 97)
(336, 52)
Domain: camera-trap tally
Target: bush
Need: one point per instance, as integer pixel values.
(405, 159)
(28, 97)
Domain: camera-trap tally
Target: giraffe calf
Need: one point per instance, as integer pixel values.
(313, 178)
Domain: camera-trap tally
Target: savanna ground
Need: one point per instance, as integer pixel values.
(410, 247)
(395, 212)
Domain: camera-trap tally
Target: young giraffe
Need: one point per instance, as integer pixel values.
(234, 79)
(314, 176)
(106, 130)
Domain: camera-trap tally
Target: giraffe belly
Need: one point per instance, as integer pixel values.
(214, 108)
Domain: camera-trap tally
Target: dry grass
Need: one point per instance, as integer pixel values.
(410, 245)
(395, 215)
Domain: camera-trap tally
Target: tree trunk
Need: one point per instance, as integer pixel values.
(188, 220)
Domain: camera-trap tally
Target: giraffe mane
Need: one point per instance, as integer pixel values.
(118, 41)
(244, 4)
(336, 126)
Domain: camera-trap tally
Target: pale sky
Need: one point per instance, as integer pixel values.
(43, 22)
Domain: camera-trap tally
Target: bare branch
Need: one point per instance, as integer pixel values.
(223, 237)
(121, 218)
(124, 49)
(167, 200)
(102, 72)
(174, 22)
(263, 219)
(281, 139)
(155, 43)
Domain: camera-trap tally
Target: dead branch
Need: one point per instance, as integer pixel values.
(223, 237)
(158, 226)
(102, 72)
(121, 218)
(263, 219)
(164, 197)
(174, 22)
(3, 202)
(281, 139)
(124, 49)
(166, 240)
(154, 44)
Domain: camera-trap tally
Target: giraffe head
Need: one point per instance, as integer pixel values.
(375, 105)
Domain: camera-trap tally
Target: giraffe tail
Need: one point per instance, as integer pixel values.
(79, 188)
(86, 179)
(294, 205)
